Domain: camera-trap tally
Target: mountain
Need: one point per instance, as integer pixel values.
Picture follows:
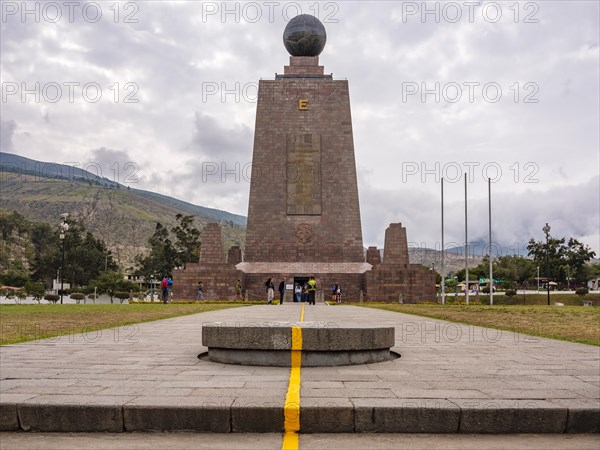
(19, 165)
(479, 247)
(124, 218)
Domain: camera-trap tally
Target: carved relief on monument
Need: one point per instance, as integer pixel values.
(303, 174)
(304, 234)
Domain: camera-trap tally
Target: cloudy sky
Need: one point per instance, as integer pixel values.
(503, 90)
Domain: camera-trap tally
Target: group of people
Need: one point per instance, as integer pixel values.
(336, 293)
(302, 293)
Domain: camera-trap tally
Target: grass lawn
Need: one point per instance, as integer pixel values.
(568, 323)
(21, 323)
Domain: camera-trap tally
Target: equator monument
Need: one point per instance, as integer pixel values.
(303, 212)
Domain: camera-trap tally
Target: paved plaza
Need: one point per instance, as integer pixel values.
(450, 378)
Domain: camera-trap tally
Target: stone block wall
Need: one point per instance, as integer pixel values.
(386, 282)
(218, 279)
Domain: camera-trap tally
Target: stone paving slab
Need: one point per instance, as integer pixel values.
(450, 378)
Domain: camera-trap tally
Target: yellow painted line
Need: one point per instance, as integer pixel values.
(291, 408)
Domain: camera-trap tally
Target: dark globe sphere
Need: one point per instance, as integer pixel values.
(304, 35)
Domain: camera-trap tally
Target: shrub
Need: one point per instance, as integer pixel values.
(122, 296)
(52, 298)
(510, 292)
(77, 296)
(581, 292)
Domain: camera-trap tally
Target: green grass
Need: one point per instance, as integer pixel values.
(568, 323)
(530, 299)
(22, 323)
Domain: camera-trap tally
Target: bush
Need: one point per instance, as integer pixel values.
(52, 298)
(77, 296)
(36, 290)
(510, 292)
(21, 294)
(122, 296)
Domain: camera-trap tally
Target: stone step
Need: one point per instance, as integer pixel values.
(318, 415)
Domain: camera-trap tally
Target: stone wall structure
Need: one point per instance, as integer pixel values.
(395, 279)
(217, 275)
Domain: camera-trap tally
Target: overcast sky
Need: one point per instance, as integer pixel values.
(501, 90)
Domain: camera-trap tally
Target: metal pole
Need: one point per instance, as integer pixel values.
(548, 266)
(490, 238)
(443, 253)
(62, 271)
(466, 249)
(538, 279)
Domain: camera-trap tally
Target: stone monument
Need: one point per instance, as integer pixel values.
(304, 213)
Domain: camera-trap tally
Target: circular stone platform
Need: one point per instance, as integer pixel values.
(323, 344)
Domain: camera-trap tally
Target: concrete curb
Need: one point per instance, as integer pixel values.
(322, 415)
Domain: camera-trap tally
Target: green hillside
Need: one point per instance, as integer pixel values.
(123, 218)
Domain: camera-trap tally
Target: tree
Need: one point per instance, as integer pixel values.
(85, 255)
(514, 268)
(46, 255)
(20, 295)
(111, 282)
(565, 258)
(87, 258)
(14, 278)
(12, 222)
(108, 283)
(36, 290)
(188, 240)
(591, 271)
(577, 255)
(511, 269)
(162, 258)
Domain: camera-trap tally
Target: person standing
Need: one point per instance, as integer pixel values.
(200, 290)
(270, 287)
(238, 290)
(281, 291)
(164, 285)
(298, 292)
(312, 290)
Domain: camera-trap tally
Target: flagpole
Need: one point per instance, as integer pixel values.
(490, 238)
(443, 259)
(466, 249)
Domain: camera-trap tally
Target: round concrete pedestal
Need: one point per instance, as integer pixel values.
(269, 344)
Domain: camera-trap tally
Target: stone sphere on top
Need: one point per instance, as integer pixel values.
(304, 35)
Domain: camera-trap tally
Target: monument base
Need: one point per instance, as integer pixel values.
(278, 358)
(321, 344)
